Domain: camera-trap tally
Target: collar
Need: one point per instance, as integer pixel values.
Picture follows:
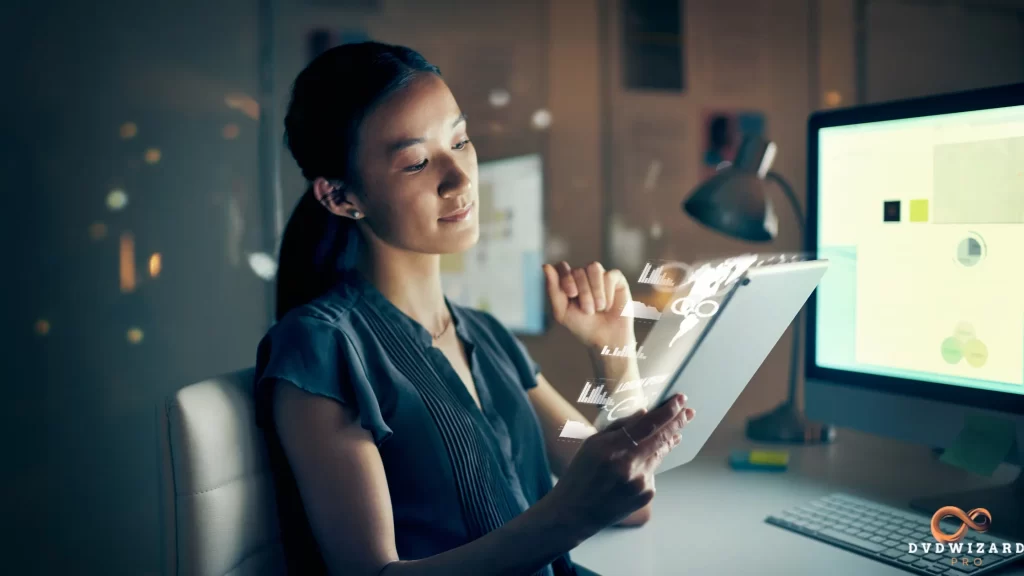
(414, 329)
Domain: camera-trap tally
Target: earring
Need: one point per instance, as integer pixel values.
(355, 213)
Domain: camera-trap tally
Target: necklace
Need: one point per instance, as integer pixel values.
(447, 323)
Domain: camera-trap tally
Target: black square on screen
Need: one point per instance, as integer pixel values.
(892, 211)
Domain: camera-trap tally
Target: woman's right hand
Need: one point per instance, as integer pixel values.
(611, 476)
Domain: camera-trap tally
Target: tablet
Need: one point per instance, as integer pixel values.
(709, 345)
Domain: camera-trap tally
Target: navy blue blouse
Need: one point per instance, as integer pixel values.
(455, 471)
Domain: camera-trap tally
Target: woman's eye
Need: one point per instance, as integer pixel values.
(416, 167)
(461, 145)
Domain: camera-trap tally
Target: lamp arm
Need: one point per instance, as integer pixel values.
(797, 323)
(793, 202)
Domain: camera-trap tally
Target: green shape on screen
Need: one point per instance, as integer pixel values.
(982, 445)
(952, 350)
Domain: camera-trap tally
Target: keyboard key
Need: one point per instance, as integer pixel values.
(937, 568)
(877, 540)
(853, 540)
(932, 556)
(922, 564)
(962, 568)
(864, 534)
(892, 553)
(891, 543)
(908, 558)
(990, 559)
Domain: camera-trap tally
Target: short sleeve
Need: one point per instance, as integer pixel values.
(530, 363)
(315, 356)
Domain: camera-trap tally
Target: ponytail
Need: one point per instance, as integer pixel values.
(313, 248)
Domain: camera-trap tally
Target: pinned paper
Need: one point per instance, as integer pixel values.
(982, 445)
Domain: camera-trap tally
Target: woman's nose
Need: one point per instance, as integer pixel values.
(456, 182)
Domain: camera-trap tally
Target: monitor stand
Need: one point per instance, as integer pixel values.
(1005, 503)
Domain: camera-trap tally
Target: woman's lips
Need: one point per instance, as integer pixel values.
(458, 216)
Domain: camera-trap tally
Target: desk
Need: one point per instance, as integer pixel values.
(709, 519)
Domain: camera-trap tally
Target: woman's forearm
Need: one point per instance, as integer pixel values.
(524, 545)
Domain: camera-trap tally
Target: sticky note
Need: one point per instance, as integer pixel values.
(764, 460)
(919, 210)
(769, 457)
(982, 445)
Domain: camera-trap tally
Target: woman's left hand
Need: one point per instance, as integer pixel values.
(589, 302)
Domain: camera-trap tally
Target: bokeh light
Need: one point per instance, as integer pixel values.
(97, 230)
(152, 156)
(244, 104)
(230, 131)
(833, 98)
(263, 265)
(117, 199)
(126, 269)
(155, 265)
(134, 335)
(128, 130)
(42, 327)
(541, 119)
(499, 98)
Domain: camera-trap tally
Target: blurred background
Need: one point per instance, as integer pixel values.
(146, 185)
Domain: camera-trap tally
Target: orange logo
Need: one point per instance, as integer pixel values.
(978, 520)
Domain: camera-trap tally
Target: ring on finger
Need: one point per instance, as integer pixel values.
(626, 432)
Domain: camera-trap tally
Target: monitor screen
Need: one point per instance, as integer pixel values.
(502, 273)
(923, 222)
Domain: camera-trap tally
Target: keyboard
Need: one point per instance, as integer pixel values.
(884, 533)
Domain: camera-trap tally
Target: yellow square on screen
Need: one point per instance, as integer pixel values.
(919, 210)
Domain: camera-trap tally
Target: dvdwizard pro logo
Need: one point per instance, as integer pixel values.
(977, 519)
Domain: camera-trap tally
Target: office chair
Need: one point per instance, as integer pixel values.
(219, 511)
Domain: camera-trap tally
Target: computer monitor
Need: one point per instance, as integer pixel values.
(918, 327)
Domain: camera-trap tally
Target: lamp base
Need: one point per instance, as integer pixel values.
(786, 425)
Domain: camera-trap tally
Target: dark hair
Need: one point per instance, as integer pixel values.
(330, 99)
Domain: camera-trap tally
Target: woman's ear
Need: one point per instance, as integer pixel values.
(335, 196)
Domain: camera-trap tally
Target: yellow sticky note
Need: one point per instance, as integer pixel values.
(769, 457)
(919, 210)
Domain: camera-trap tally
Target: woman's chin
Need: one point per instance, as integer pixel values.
(460, 241)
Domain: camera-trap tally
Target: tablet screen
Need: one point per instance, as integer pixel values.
(672, 340)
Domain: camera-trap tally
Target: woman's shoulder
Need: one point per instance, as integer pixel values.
(331, 310)
(481, 322)
(484, 326)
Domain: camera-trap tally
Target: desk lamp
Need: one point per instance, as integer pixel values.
(735, 202)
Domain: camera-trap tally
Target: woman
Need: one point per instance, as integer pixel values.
(410, 436)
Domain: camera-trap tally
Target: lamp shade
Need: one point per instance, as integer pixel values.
(734, 203)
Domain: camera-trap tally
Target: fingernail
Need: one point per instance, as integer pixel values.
(690, 413)
(600, 304)
(680, 400)
(677, 439)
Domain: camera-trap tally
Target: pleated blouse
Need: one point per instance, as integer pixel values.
(455, 471)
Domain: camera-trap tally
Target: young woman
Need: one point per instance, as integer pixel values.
(410, 436)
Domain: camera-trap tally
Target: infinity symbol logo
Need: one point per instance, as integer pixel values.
(978, 520)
